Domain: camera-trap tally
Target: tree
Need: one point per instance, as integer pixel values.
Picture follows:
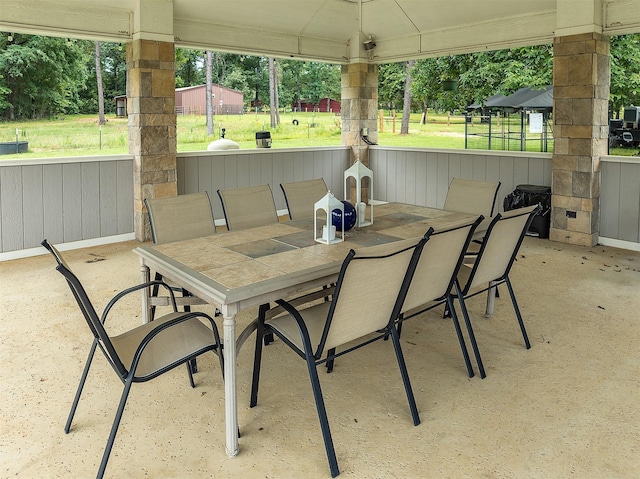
(291, 73)
(189, 67)
(625, 72)
(391, 85)
(319, 81)
(209, 95)
(114, 78)
(101, 120)
(41, 76)
(273, 94)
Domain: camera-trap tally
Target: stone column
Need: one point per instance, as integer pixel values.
(152, 124)
(580, 115)
(359, 109)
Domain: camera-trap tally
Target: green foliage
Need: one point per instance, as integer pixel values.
(320, 80)
(113, 66)
(391, 79)
(40, 77)
(479, 76)
(44, 77)
(189, 68)
(625, 72)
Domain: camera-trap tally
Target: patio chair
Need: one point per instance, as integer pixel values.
(491, 267)
(143, 352)
(178, 218)
(248, 207)
(435, 274)
(472, 196)
(301, 196)
(365, 303)
(244, 208)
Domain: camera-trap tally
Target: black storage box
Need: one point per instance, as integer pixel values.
(528, 195)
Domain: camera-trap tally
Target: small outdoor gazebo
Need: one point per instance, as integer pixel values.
(520, 121)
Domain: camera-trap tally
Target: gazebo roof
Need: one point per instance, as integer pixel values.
(325, 30)
(526, 98)
(523, 98)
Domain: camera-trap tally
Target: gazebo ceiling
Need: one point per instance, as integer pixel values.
(325, 30)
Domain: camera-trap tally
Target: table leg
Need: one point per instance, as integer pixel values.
(230, 396)
(491, 300)
(146, 306)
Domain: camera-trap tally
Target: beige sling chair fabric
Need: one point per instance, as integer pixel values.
(301, 196)
(178, 218)
(248, 207)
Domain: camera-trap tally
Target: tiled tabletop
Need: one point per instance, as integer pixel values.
(243, 258)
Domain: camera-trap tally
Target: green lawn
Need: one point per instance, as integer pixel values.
(81, 135)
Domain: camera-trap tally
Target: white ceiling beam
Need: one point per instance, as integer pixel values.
(578, 16)
(495, 35)
(59, 19)
(153, 20)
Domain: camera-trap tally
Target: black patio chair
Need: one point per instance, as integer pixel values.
(143, 352)
(368, 297)
(491, 266)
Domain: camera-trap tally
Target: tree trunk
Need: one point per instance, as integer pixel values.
(406, 109)
(277, 97)
(209, 96)
(273, 94)
(101, 120)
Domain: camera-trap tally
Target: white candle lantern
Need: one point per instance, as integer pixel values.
(326, 205)
(358, 171)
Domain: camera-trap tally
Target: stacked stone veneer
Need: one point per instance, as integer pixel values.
(152, 124)
(359, 109)
(580, 115)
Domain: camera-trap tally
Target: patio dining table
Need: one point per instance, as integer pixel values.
(240, 269)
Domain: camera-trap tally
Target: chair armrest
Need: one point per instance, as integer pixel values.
(277, 310)
(133, 289)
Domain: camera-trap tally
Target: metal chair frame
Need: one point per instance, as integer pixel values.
(466, 291)
(149, 332)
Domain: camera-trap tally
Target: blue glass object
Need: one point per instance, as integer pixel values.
(349, 217)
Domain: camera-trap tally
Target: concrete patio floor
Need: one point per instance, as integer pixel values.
(568, 407)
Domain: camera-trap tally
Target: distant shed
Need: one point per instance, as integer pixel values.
(325, 104)
(193, 100)
(121, 106)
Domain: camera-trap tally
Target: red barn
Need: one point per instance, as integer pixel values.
(193, 100)
(325, 104)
